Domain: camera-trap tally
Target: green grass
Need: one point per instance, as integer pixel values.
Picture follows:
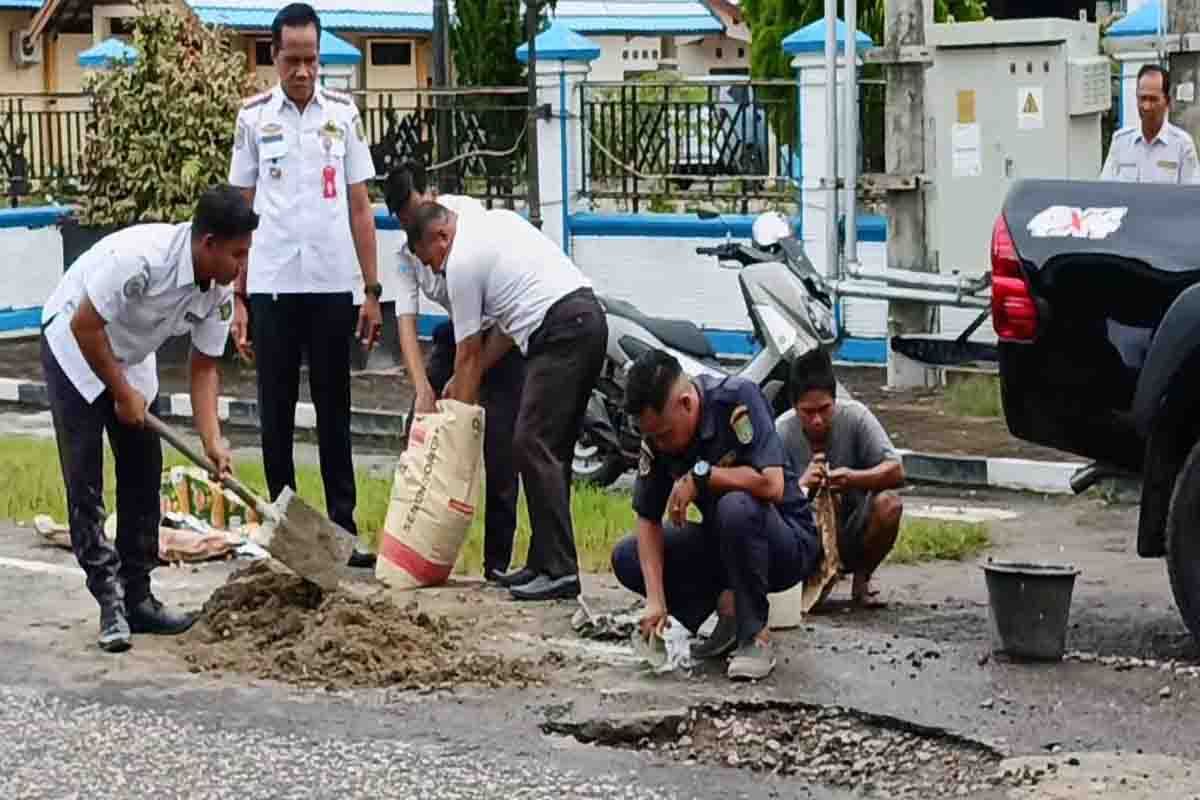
(974, 396)
(936, 540)
(33, 485)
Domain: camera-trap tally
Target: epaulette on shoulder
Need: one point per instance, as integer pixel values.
(257, 100)
(337, 97)
(1125, 131)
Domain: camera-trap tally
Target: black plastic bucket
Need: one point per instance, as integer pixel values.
(1030, 604)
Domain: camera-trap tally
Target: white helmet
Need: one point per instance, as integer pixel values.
(769, 227)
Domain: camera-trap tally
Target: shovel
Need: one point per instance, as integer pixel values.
(292, 531)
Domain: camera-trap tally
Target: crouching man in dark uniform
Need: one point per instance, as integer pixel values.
(713, 443)
(112, 310)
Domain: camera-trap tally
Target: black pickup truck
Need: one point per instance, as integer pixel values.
(1096, 303)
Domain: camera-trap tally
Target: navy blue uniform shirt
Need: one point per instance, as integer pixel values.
(736, 430)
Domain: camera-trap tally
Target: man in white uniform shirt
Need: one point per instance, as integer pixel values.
(112, 310)
(503, 368)
(1153, 151)
(499, 266)
(300, 154)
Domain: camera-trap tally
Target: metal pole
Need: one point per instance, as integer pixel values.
(832, 267)
(1183, 20)
(441, 80)
(532, 174)
(904, 36)
(850, 144)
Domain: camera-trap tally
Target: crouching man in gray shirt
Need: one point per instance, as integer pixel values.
(841, 441)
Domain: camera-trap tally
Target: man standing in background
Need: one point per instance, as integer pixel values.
(1154, 151)
(301, 156)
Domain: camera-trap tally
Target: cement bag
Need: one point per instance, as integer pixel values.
(434, 495)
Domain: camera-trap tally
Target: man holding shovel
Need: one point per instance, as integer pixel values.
(112, 310)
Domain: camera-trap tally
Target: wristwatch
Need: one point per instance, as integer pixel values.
(700, 473)
(375, 289)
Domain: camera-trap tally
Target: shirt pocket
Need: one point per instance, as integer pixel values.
(1127, 171)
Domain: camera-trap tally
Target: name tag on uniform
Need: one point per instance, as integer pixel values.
(1168, 165)
(271, 143)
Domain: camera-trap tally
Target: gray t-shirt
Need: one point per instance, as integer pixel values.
(856, 439)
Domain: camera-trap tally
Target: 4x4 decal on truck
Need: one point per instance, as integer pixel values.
(1067, 221)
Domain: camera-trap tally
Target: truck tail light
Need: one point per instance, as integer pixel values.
(1014, 314)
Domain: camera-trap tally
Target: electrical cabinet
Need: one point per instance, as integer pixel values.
(1006, 100)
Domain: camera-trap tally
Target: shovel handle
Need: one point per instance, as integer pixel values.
(228, 481)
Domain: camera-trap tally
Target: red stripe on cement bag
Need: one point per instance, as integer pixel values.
(434, 494)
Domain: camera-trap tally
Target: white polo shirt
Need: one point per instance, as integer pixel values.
(415, 277)
(141, 281)
(1170, 157)
(303, 242)
(500, 266)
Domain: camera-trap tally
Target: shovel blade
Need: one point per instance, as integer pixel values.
(306, 541)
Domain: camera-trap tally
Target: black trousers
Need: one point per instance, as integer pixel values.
(563, 361)
(749, 548)
(285, 328)
(122, 573)
(501, 396)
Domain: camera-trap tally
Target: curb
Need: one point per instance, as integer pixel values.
(1026, 475)
(236, 412)
(1013, 474)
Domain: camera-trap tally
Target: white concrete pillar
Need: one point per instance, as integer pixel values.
(813, 148)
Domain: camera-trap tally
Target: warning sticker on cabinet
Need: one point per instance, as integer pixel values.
(1030, 108)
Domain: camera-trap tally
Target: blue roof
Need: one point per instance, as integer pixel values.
(1143, 22)
(811, 39)
(335, 50)
(107, 52)
(560, 43)
(261, 18)
(631, 17)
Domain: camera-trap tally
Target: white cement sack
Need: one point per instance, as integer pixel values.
(434, 496)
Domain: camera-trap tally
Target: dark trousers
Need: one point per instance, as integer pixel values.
(749, 547)
(285, 328)
(501, 396)
(112, 574)
(563, 361)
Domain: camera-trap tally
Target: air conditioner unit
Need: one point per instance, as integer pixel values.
(26, 50)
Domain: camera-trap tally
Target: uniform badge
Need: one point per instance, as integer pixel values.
(331, 131)
(743, 428)
(135, 286)
(272, 129)
(358, 129)
(239, 138)
(226, 310)
(645, 462)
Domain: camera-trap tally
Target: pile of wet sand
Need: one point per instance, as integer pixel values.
(276, 626)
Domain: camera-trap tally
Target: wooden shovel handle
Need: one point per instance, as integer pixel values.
(233, 484)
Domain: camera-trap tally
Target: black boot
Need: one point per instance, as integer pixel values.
(150, 616)
(114, 627)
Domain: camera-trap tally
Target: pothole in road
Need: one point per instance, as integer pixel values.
(872, 755)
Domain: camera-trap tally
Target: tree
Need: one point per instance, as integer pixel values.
(163, 124)
(484, 37)
(771, 21)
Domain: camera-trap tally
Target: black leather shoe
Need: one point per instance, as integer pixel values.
(151, 616)
(361, 560)
(516, 578)
(114, 628)
(543, 587)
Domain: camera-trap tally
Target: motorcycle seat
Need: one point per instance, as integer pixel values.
(678, 334)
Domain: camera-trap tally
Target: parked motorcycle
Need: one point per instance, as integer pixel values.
(791, 312)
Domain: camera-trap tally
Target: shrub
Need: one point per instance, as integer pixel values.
(163, 124)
